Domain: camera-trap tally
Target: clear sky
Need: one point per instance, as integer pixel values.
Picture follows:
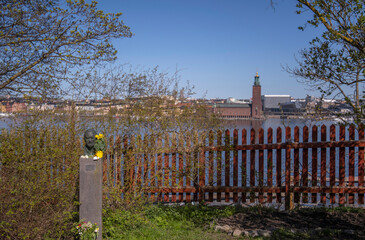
(218, 45)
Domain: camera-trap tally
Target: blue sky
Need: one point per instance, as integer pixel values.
(218, 45)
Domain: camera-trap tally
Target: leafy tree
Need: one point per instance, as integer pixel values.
(335, 62)
(43, 43)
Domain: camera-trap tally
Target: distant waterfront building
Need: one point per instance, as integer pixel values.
(233, 110)
(272, 103)
(256, 107)
(238, 109)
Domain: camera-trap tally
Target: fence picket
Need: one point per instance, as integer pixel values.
(269, 164)
(166, 171)
(261, 166)
(201, 169)
(287, 170)
(139, 160)
(323, 162)
(252, 166)
(227, 163)
(188, 168)
(235, 164)
(181, 167)
(211, 165)
(278, 163)
(195, 166)
(118, 162)
(361, 164)
(351, 164)
(173, 165)
(145, 161)
(152, 178)
(314, 163)
(305, 164)
(219, 165)
(244, 164)
(342, 165)
(296, 165)
(332, 163)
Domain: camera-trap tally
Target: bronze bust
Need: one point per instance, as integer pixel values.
(89, 137)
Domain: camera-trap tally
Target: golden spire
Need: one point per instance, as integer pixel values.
(257, 74)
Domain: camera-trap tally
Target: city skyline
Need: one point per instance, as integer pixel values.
(218, 46)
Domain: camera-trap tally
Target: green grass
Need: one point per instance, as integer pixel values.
(159, 222)
(193, 222)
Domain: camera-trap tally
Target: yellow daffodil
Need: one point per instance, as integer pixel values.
(99, 136)
(99, 154)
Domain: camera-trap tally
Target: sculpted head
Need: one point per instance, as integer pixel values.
(89, 137)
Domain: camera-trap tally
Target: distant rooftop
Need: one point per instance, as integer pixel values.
(232, 105)
(276, 95)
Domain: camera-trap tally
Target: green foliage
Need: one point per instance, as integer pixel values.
(85, 230)
(43, 43)
(159, 221)
(334, 63)
(198, 214)
(40, 155)
(39, 177)
(100, 143)
(117, 222)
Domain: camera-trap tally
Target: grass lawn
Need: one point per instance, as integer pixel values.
(164, 222)
(198, 221)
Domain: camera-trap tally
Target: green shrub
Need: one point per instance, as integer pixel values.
(38, 180)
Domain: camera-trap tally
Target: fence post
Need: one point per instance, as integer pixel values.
(296, 165)
(278, 164)
(305, 163)
(351, 182)
(342, 166)
(314, 163)
(361, 164)
(211, 164)
(244, 165)
(252, 166)
(332, 162)
(91, 173)
(288, 193)
(227, 163)
(261, 166)
(235, 164)
(323, 163)
(269, 164)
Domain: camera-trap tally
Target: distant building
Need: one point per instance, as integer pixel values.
(256, 107)
(233, 110)
(238, 109)
(272, 103)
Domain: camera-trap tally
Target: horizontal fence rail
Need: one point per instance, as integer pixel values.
(300, 165)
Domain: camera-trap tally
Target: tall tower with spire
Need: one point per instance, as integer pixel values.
(256, 110)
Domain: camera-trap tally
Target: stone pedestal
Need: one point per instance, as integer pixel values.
(91, 175)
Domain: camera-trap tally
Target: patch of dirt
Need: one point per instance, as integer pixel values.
(312, 221)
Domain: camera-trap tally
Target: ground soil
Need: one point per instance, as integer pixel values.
(314, 223)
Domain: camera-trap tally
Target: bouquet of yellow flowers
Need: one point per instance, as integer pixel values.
(99, 145)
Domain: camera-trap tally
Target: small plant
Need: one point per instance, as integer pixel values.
(86, 231)
(99, 145)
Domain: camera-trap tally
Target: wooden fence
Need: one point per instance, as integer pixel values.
(301, 165)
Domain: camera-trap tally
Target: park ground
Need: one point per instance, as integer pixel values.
(234, 222)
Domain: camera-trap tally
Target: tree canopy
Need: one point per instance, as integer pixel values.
(44, 43)
(335, 62)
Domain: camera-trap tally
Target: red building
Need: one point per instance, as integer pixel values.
(243, 110)
(256, 106)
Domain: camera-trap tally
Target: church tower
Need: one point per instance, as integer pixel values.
(256, 107)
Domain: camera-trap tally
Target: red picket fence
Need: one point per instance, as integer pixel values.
(308, 165)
